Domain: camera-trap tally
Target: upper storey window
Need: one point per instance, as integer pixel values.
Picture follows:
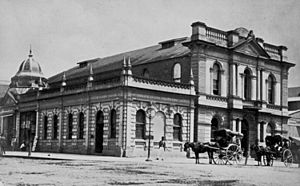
(216, 79)
(271, 89)
(177, 73)
(247, 84)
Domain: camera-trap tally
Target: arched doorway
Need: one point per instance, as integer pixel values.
(158, 124)
(245, 139)
(99, 132)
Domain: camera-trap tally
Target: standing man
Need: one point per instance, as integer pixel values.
(162, 147)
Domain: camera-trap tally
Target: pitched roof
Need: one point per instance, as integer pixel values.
(137, 57)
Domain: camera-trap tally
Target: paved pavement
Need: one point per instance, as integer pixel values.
(64, 156)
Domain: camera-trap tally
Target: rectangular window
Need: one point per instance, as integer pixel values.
(140, 131)
(176, 133)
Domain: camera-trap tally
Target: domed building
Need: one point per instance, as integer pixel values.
(29, 76)
(183, 89)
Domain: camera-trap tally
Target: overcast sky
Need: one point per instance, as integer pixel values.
(63, 33)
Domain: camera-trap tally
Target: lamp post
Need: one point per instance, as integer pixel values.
(150, 113)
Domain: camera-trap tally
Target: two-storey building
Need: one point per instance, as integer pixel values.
(183, 89)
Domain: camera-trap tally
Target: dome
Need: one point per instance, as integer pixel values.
(29, 75)
(30, 67)
(242, 31)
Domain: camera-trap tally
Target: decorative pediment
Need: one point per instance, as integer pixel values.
(252, 48)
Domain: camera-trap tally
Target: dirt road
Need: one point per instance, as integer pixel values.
(19, 171)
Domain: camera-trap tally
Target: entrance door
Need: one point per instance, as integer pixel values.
(158, 126)
(245, 139)
(99, 132)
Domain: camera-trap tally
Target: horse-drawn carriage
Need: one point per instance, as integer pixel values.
(278, 147)
(222, 151)
(227, 147)
(292, 153)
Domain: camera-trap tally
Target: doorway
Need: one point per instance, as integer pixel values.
(245, 139)
(99, 132)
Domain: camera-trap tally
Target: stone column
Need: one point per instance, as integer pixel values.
(258, 85)
(233, 90)
(60, 129)
(242, 94)
(237, 80)
(264, 88)
(233, 126)
(223, 82)
(18, 126)
(253, 88)
(239, 124)
(1, 124)
(87, 129)
(211, 88)
(277, 93)
(258, 132)
(265, 130)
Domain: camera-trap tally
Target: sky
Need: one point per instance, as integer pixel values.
(65, 32)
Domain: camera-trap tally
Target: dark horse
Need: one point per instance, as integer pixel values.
(261, 151)
(199, 147)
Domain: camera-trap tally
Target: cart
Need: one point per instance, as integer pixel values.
(292, 154)
(227, 151)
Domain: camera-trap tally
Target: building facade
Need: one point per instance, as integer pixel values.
(293, 126)
(182, 89)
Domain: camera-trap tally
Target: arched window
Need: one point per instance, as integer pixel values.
(177, 73)
(216, 79)
(271, 89)
(80, 125)
(55, 127)
(247, 84)
(145, 73)
(70, 126)
(177, 127)
(45, 127)
(140, 124)
(214, 127)
(113, 123)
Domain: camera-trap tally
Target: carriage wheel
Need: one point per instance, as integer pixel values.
(233, 154)
(265, 160)
(287, 157)
(219, 158)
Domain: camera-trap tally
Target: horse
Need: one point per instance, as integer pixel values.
(261, 151)
(199, 147)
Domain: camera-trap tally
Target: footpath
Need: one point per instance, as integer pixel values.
(82, 157)
(65, 156)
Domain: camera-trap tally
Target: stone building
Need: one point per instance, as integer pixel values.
(293, 126)
(183, 89)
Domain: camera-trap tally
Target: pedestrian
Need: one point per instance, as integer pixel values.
(162, 148)
(2, 144)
